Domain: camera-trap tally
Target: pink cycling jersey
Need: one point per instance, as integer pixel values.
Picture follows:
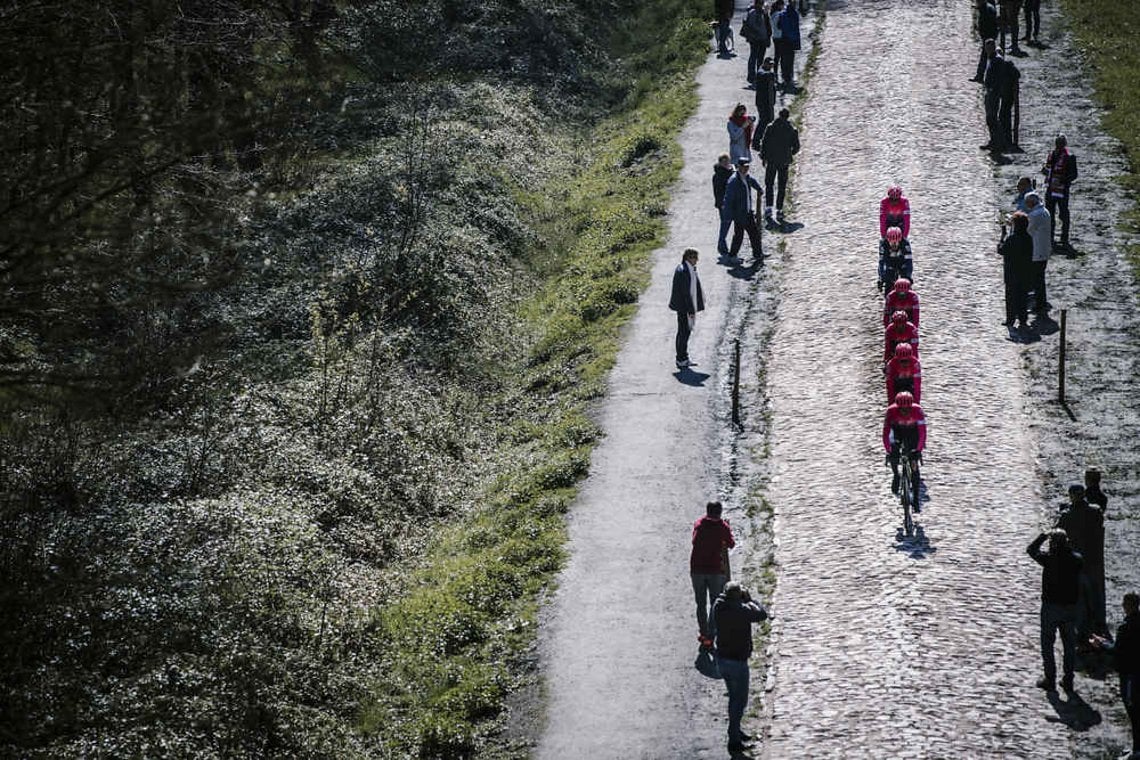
(904, 370)
(904, 417)
(902, 332)
(894, 214)
(897, 301)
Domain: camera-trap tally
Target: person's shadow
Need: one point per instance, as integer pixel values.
(1074, 712)
(688, 376)
(1045, 325)
(745, 272)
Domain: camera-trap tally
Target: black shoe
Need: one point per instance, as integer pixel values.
(1046, 684)
(979, 80)
(735, 747)
(1006, 323)
(987, 146)
(1067, 684)
(895, 485)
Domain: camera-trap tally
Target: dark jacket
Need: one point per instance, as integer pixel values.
(1060, 573)
(988, 21)
(1098, 497)
(1126, 648)
(790, 25)
(731, 623)
(1085, 526)
(723, 9)
(1017, 258)
(681, 299)
(765, 99)
(994, 79)
(711, 535)
(720, 179)
(736, 198)
(781, 142)
(757, 27)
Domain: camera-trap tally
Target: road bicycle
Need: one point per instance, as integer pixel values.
(908, 485)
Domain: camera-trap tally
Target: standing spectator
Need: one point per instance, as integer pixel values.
(1042, 247)
(723, 10)
(765, 101)
(1084, 525)
(987, 30)
(740, 126)
(1126, 653)
(1009, 12)
(790, 26)
(775, 11)
(1017, 271)
(1010, 87)
(733, 614)
(738, 208)
(1093, 491)
(1032, 21)
(995, 85)
(1024, 185)
(1060, 170)
(781, 142)
(722, 170)
(757, 30)
(686, 299)
(1060, 589)
(711, 537)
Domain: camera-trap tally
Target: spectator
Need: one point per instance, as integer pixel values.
(1032, 21)
(987, 30)
(711, 538)
(1024, 185)
(739, 209)
(1126, 653)
(765, 101)
(1039, 231)
(1060, 170)
(790, 26)
(757, 30)
(1084, 525)
(723, 10)
(994, 80)
(1093, 491)
(1009, 12)
(781, 142)
(1060, 589)
(775, 11)
(733, 614)
(722, 170)
(740, 126)
(686, 299)
(1017, 272)
(1009, 93)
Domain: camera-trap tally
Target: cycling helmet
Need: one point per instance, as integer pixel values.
(899, 316)
(904, 351)
(894, 192)
(902, 285)
(894, 234)
(904, 399)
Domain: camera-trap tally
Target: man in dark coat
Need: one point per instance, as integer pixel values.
(765, 101)
(732, 617)
(1017, 271)
(738, 206)
(1060, 590)
(1126, 653)
(994, 80)
(781, 142)
(1084, 524)
(723, 10)
(1010, 87)
(686, 299)
(1010, 9)
(757, 30)
(987, 30)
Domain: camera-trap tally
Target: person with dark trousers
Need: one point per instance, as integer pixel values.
(765, 101)
(686, 299)
(1032, 21)
(722, 170)
(757, 31)
(987, 30)
(1093, 492)
(994, 80)
(733, 614)
(712, 536)
(1060, 591)
(1126, 657)
(781, 142)
(1084, 525)
(1010, 86)
(739, 208)
(790, 26)
(1060, 170)
(775, 11)
(1010, 9)
(723, 10)
(1017, 272)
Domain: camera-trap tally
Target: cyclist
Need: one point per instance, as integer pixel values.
(904, 422)
(904, 373)
(894, 258)
(900, 330)
(901, 298)
(894, 211)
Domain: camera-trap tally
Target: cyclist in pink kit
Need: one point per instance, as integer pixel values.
(904, 421)
(901, 298)
(900, 331)
(894, 211)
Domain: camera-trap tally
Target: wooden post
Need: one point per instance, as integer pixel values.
(1061, 359)
(736, 382)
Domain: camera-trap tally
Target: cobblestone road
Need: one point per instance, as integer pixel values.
(889, 648)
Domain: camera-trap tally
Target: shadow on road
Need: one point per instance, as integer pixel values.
(689, 377)
(745, 273)
(1074, 712)
(1044, 325)
(917, 546)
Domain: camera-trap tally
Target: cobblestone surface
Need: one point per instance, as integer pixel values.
(887, 647)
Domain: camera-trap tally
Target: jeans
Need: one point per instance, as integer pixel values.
(739, 228)
(1062, 210)
(779, 174)
(736, 676)
(1062, 617)
(755, 58)
(993, 123)
(721, 241)
(787, 53)
(723, 28)
(1032, 19)
(1130, 694)
(683, 332)
(706, 588)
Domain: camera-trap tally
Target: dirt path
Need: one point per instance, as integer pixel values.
(618, 642)
(889, 648)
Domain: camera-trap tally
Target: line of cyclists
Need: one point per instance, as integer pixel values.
(904, 423)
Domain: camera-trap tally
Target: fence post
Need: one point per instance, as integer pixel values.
(736, 382)
(1061, 359)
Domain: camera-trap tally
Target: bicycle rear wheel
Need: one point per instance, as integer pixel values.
(905, 495)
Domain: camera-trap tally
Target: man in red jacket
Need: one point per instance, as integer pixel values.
(904, 373)
(711, 537)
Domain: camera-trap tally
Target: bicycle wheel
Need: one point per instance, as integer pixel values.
(917, 488)
(905, 497)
